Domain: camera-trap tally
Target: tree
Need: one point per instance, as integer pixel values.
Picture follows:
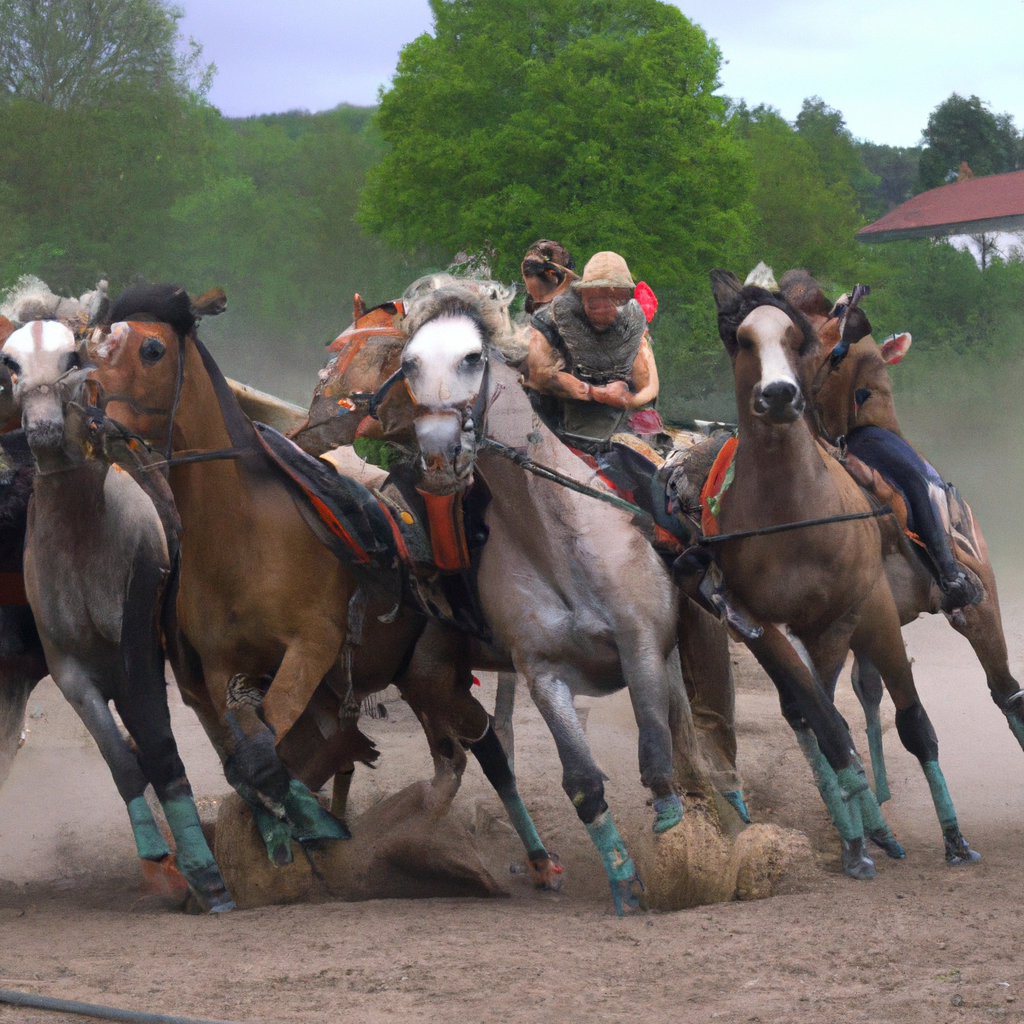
(965, 130)
(896, 169)
(66, 53)
(590, 121)
(801, 218)
(824, 129)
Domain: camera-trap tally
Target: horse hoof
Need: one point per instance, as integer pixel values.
(547, 873)
(888, 842)
(856, 863)
(668, 812)
(218, 903)
(626, 893)
(735, 797)
(958, 850)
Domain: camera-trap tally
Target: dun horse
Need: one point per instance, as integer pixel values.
(855, 392)
(265, 612)
(826, 582)
(96, 563)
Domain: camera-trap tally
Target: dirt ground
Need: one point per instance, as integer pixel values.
(922, 942)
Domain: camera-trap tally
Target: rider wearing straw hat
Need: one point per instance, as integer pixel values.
(589, 348)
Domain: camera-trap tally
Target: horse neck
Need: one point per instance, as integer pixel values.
(200, 490)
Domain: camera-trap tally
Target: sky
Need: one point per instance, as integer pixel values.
(886, 64)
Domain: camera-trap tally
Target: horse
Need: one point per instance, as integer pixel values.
(855, 391)
(826, 582)
(275, 640)
(572, 589)
(96, 561)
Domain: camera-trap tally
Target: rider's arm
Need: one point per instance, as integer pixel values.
(645, 380)
(645, 376)
(546, 371)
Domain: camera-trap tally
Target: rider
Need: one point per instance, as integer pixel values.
(547, 272)
(589, 348)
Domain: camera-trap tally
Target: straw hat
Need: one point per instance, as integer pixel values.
(605, 270)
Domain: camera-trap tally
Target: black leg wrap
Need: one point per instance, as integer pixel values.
(916, 733)
(491, 755)
(254, 762)
(589, 805)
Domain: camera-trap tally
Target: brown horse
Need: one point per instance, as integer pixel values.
(276, 641)
(858, 392)
(827, 583)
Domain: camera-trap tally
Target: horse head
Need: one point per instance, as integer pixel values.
(41, 359)
(773, 347)
(453, 334)
(138, 357)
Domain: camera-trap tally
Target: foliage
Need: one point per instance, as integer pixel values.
(590, 121)
(961, 130)
(896, 170)
(69, 53)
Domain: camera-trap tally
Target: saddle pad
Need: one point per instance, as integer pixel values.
(348, 518)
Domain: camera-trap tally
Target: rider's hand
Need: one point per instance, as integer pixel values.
(616, 394)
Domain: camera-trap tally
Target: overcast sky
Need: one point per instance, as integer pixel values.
(886, 64)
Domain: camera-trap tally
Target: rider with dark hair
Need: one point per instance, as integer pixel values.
(547, 272)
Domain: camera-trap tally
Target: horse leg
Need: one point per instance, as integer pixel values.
(141, 701)
(878, 634)
(77, 685)
(436, 685)
(824, 739)
(504, 702)
(22, 665)
(826, 655)
(707, 672)
(867, 685)
(583, 782)
(982, 625)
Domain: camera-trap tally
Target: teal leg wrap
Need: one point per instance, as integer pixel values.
(309, 821)
(522, 823)
(874, 724)
(668, 812)
(853, 783)
(193, 856)
(149, 839)
(940, 794)
(828, 786)
(1016, 727)
(735, 797)
(617, 863)
(277, 835)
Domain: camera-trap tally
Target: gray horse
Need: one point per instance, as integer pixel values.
(96, 561)
(570, 586)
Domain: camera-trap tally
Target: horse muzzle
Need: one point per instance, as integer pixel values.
(779, 402)
(447, 452)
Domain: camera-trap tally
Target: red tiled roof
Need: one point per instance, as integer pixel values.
(993, 203)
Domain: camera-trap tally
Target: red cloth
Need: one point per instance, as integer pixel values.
(647, 299)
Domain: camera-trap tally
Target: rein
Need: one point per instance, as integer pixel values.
(885, 510)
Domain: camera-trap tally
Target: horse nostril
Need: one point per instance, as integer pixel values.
(779, 392)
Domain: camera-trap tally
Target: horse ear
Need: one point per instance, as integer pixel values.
(212, 302)
(6, 329)
(727, 289)
(895, 347)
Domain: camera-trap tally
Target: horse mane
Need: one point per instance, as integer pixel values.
(484, 302)
(167, 303)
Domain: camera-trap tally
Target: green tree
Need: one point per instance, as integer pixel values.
(896, 169)
(840, 159)
(801, 219)
(591, 121)
(66, 53)
(962, 130)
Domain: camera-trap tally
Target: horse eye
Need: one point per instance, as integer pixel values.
(152, 351)
(68, 361)
(409, 365)
(473, 359)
